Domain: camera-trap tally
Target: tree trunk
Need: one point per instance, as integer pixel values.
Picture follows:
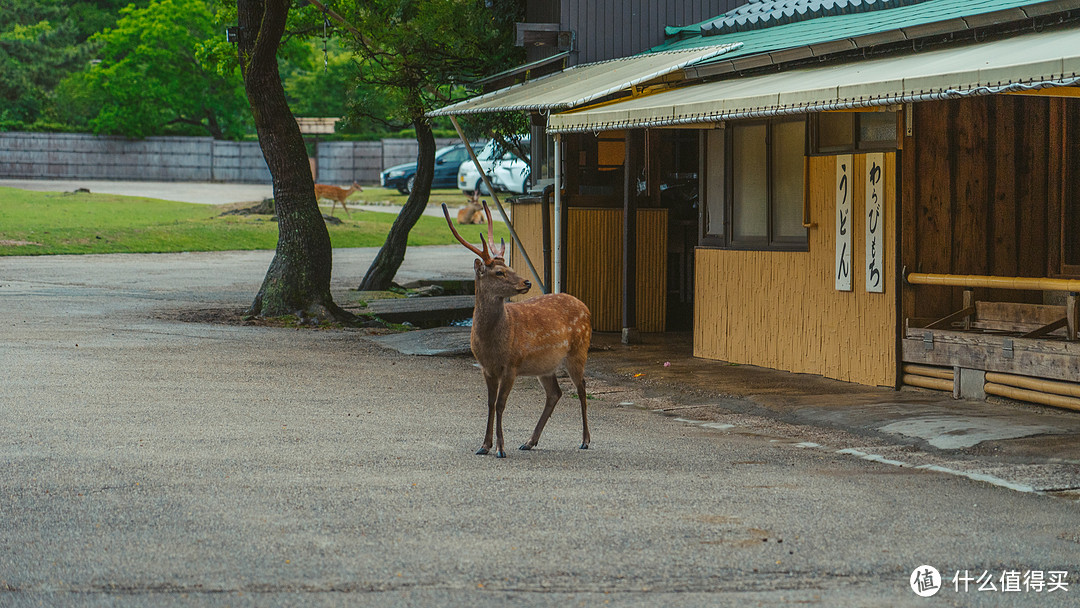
(298, 280)
(381, 273)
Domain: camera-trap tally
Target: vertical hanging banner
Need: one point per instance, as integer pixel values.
(875, 223)
(842, 268)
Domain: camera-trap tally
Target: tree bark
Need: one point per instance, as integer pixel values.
(381, 273)
(298, 280)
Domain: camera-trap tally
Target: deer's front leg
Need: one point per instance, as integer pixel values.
(505, 387)
(493, 393)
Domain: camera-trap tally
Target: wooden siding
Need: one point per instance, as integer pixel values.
(982, 195)
(781, 310)
(607, 29)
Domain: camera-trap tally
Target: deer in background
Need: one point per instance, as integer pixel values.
(531, 338)
(336, 195)
(470, 213)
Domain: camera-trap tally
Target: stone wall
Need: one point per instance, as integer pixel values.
(199, 159)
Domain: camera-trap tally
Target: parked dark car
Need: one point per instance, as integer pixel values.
(447, 161)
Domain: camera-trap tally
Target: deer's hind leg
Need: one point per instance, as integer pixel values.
(576, 370)
(551, 387)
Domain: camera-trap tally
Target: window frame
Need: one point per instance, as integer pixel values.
(770, 242)
(857, 146)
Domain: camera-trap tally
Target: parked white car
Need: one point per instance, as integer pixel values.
(507, 172)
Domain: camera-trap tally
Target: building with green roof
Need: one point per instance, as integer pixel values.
(882, 192)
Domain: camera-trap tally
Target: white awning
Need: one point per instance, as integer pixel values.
(1031, 61)
(583, 84)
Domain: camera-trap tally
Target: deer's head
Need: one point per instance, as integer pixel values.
(493, 276)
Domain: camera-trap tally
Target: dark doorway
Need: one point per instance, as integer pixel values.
(675, 154)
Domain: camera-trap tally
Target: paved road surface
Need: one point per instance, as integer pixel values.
(150, 462)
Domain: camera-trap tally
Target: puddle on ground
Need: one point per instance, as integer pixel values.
(958, 432)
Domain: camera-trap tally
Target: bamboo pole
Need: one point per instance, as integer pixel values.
(924, 382)
(928, 371)
(994, 282)
(1068, 389)
(1001, 390)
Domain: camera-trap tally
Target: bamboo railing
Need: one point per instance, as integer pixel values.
(973, 281)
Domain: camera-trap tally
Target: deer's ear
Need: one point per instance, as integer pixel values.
(478, 265)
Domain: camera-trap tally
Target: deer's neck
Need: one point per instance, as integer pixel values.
(489, 316)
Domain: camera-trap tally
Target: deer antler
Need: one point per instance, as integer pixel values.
(501, 249)
(484, 255)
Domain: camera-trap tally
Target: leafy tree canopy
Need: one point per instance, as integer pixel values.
(151, 76)
(40, 42)
(418, 54)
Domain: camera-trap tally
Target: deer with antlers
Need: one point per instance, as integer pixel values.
(531, 338)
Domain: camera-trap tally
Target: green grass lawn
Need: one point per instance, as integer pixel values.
(44, 223)
(376, 195)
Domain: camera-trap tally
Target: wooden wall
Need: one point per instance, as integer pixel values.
(982, 194)
(780, 309)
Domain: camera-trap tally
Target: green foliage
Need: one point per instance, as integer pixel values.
(319, 84)
(416, 54)
(41, 41)
(36, 41)
(154, 76)
(164, 67)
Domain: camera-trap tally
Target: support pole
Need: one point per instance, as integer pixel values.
(545, 222)
(556, 275)
(629, 269)
(502, 212)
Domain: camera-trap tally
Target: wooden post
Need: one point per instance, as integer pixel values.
(1072, 313)
(969, 302)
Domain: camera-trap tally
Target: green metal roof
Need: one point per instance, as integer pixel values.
(759, 14)
(836, 27)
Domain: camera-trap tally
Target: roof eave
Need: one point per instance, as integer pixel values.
(866, 41)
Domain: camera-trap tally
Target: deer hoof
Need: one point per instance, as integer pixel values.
(525, 447)
(500, 454)
(481, 451)
(584, 446)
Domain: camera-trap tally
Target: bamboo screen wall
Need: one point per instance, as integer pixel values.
(781, 309)
(594, 266)
(594, 262)
(528, 222)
